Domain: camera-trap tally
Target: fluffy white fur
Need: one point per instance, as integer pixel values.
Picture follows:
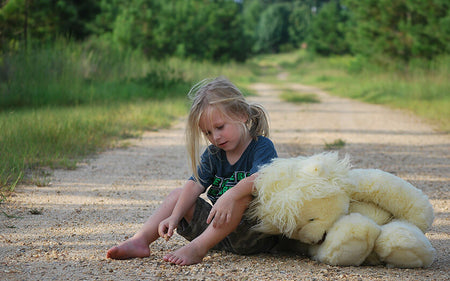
(403, 244)
(371, 211)
(349, 241)
(286, 191)
(305, 198)
(393, 194)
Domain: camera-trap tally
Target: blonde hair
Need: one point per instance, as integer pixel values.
(228, 99)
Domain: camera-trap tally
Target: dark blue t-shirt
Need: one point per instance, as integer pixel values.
(216, 172)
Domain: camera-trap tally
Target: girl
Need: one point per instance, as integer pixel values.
(237, 132)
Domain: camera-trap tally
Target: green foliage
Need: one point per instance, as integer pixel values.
(399, 29)
(58, 137)
(299, 23)
(272, 31)
(201, 29)
(335, 145)
(328, 29)
(40, 22)
(296, 97)
(251, 14)
(133, 26)
(71, 74)
(194, 29)
(225, 30)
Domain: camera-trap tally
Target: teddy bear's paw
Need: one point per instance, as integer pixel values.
(348, 242)
(402, 244)
(392, 194)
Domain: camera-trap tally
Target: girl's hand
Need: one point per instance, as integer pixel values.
(167, 227)
(222, 211)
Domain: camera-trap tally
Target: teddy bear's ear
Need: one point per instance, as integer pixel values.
(325, 166)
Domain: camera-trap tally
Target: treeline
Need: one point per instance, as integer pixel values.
(222, 30)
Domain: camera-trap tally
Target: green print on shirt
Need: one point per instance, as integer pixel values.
(220, 185)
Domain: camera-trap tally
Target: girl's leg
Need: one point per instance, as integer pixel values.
(194, 252)
(138, 245)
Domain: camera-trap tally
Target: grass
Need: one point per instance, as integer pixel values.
(296, 97)
(59, 137)
(335, 145)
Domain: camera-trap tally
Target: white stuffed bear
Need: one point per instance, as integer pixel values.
(348, 217)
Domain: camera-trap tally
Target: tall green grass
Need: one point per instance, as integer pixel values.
(421, 87)
(68, 74)
(59, 137)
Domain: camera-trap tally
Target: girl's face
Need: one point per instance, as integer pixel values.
(222, 131)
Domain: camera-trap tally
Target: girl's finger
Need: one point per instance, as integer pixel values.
(161, 231)
(170, 231)
(228, 218)
(218, 220)
(211, 216)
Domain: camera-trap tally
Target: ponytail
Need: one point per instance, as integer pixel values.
(258, 122)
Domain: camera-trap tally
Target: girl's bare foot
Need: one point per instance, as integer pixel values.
(131, 248)
(187, 255)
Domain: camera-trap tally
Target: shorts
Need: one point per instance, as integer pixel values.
(243, 240)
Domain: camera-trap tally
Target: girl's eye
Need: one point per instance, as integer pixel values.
(220, 127)
(207, 133)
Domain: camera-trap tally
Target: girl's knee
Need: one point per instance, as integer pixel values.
(174, 194)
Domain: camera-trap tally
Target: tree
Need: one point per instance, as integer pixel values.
(251, 14)
(299, 23)
(134, 25)
(327, 34)
(272, 31)
(74, 18)
(403, 29)
(44, 20)
(201, 29)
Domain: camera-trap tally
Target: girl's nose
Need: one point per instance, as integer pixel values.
(216, 136)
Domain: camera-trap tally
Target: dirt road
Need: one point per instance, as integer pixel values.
(62, 231)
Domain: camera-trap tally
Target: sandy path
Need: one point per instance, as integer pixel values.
(84, 212)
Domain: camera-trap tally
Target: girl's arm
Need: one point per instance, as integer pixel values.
(241, 193)
(191, 191)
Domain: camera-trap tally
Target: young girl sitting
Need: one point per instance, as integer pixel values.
(237, 132)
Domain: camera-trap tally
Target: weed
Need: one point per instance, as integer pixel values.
(36, 211)
(11, 216)
(41, 178)
(335, 145)
(296, 97)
